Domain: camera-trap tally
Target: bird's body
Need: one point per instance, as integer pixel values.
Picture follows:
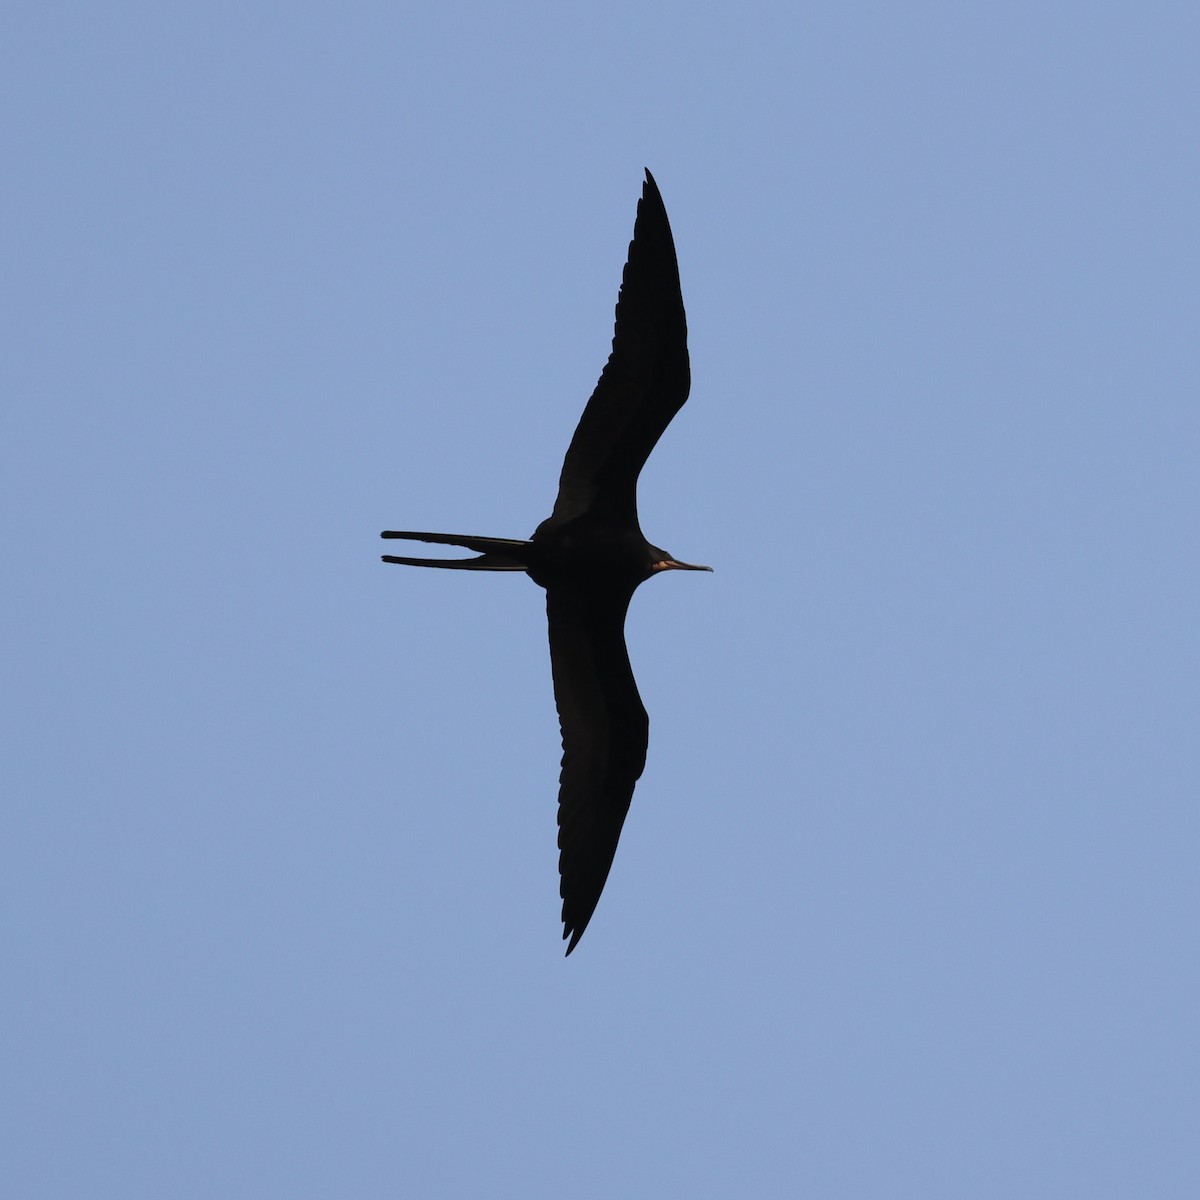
(590, 555)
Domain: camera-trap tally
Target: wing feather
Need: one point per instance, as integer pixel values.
(604, 731)
(643, 385)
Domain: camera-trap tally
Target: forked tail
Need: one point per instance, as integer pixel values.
(495, 554)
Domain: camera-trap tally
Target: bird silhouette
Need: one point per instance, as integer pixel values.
(590, 555)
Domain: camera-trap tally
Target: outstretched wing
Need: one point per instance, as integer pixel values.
(604, 733)
(644, 384)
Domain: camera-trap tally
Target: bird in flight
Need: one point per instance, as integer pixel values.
(590, 555)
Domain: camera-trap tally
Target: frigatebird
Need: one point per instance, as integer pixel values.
(590, 555)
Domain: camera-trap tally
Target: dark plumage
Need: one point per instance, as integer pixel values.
(590, 556)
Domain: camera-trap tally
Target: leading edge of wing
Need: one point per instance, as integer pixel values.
(604, 732)
(645, 382)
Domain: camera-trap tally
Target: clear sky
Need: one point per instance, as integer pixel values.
(907, 903)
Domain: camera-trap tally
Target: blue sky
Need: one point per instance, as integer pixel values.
(907, 902)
